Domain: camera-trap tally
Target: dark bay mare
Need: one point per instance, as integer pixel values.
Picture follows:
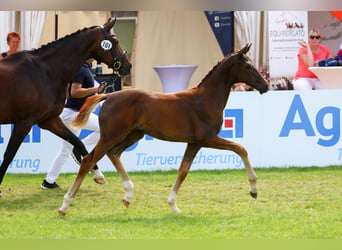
(33, 83)
(193, 116)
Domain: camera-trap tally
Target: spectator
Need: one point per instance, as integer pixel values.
(308, 55)
(13, 41)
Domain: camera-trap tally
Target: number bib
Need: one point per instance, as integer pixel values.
(106, 44)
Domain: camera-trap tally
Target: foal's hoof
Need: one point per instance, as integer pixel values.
(100, 180)
(126, 203)
(61, 213)
(254, 195)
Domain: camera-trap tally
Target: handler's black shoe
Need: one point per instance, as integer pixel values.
(46, 185)
(76, 156)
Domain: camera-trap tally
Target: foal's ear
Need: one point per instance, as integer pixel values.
(246, 48)
(109, 24)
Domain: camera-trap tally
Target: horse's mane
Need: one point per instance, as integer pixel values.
(216, 66)
(53, 43)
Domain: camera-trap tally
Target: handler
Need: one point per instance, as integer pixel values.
(82, 86)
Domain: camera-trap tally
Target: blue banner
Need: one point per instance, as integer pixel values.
(222, 24)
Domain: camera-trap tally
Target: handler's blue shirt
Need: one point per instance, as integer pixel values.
(85, 77)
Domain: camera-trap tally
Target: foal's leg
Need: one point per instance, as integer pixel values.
(219, 143)
(128, 184)
(190, 153)
(88, 162)
(19, 132)
(114, 155)
(56, 126)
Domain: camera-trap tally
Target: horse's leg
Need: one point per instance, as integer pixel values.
(85, 167)
(98, 152)
(190, 153)
(220, 143)
(128, 184)
(19, 132)
(56, 126)
(114, 155)
(88, 162)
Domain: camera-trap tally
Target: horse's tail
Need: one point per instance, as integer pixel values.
(85, 111)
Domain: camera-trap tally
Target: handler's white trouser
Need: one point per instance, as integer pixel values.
(65, 150)
(307, 84)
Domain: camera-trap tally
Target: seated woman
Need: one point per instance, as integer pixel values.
(308, 55)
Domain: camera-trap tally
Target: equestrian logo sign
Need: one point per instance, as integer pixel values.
(232, 126)
(297, 118)
(33, 137)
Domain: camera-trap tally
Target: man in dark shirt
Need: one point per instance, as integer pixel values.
(81, 86)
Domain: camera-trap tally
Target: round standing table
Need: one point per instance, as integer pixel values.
(175, 78)
(330, 77)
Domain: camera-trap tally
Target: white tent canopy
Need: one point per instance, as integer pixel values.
(185, 37)
(172, 37)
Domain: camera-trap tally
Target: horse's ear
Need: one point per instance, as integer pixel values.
(246, 48)
(110, 23)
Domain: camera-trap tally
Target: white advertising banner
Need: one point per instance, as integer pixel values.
(286, 30)
(279, 129)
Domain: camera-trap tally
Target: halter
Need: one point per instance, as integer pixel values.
(107, 45)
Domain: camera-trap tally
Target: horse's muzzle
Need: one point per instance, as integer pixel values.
(125, 70)
(263, 90)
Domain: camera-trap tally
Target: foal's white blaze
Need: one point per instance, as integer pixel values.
(172, 202)
(128, 186)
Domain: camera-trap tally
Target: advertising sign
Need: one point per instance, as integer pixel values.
(286, 30)
(222, 24)
(278, 129)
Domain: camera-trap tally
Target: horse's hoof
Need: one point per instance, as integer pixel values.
(174, 207)
(61, 213)
(100, 180)
(254, 195)
(0, 194)
(126, 203)
(176, 210)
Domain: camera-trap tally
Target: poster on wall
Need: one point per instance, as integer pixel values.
(222, 24)
(286, 30)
